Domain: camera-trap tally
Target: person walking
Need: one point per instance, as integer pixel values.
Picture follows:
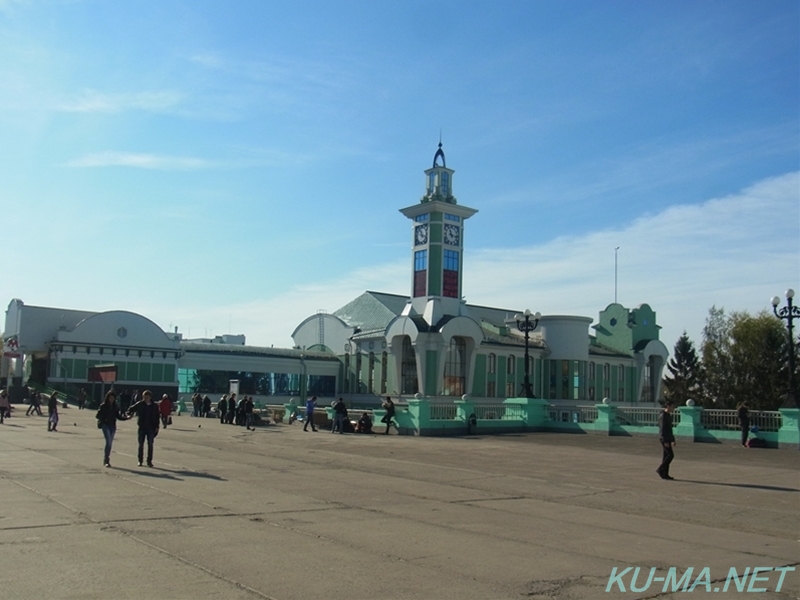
(667, 439)
(744, 421)
(52, 412)
(107, 416)
(81, 398)
(165, 410)
(5, 406)
(388, 405)
(222, 408)
(206, 406)
(311, 405)
(231, 409)
(36, 402)
(339, 416)
(148, 420)
(248, 412)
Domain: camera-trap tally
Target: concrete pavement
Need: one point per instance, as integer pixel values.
(285, 514)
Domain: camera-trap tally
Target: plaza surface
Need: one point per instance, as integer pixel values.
(285, 514)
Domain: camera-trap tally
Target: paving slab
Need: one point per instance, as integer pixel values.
(284, 514)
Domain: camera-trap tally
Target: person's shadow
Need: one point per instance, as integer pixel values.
(752, 486)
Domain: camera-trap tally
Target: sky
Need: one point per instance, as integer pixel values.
(235, 167)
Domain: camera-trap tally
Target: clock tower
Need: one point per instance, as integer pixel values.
(437, 246)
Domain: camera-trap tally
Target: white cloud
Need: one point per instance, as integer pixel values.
(734, 252)
(141, 161)
(94, 101)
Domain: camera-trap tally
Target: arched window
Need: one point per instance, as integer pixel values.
(510, 364)
(371, 376)
(384, 364)
(492, 364)
(408, 366)
(455, 368)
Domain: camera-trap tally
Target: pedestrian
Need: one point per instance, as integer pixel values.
(165, 410)
(36, 404)
(107, 416)
(206, 406)
(81, 398)
(240, 411)
(667, 440)
(248, 412)
(311, 405)
(388, 406)
(147, 419)
(5, 406)
(222, 408)
(52, 412)
(744, 421)
(339, 416)
(125, 400)
(231, 409)
(364, 424)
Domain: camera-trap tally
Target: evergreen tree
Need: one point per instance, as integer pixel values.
(685, 371)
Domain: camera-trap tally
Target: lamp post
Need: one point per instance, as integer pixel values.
(526, 323)
(790, 313)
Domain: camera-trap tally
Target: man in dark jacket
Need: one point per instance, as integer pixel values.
(667, 440)
(148, 419)
(339, 416)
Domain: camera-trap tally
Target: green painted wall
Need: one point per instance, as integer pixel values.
(431, 365)
(479, 378)
(435, 271)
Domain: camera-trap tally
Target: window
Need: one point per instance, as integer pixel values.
(452, 218)
(408, 369)
(510, 365)
(421, 218)
(606, 372)
(420, 273)
(371, 378)
(384, 363)
(621, 394)
(591, 371)
(492, 363)
(450, 274)
(359, 378)
(510, 390)
(591, 393)
(607, 393)
(621, 373)
(420, 260)
(346, 382)
(491, 389)
(455, 368)
(445, 184)
(450, 260)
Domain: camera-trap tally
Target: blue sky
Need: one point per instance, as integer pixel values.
(237, 166)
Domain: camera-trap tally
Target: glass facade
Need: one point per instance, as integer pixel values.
(262, 384)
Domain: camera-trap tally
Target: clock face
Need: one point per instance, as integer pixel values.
(420, 235)
(452, 234)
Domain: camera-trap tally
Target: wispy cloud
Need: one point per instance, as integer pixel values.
(141, 161)
(94, 101)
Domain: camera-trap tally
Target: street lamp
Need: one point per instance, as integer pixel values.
(790, 313)
(526, 323)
